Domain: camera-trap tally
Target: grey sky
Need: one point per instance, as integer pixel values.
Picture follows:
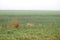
(29, 4)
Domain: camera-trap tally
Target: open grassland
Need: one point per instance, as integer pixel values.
(30, 27)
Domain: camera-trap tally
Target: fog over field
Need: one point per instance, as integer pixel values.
(29, 4)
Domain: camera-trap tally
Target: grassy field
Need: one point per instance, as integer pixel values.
(43, 25)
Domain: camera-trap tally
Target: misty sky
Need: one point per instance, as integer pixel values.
(29, 4)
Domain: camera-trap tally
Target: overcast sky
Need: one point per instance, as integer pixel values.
(29, 4)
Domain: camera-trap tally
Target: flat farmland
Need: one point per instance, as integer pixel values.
(32, 25)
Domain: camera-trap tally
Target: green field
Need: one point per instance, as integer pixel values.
(45, 25)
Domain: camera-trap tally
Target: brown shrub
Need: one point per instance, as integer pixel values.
(13, 24)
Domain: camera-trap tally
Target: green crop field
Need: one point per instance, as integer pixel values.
(33, 25)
